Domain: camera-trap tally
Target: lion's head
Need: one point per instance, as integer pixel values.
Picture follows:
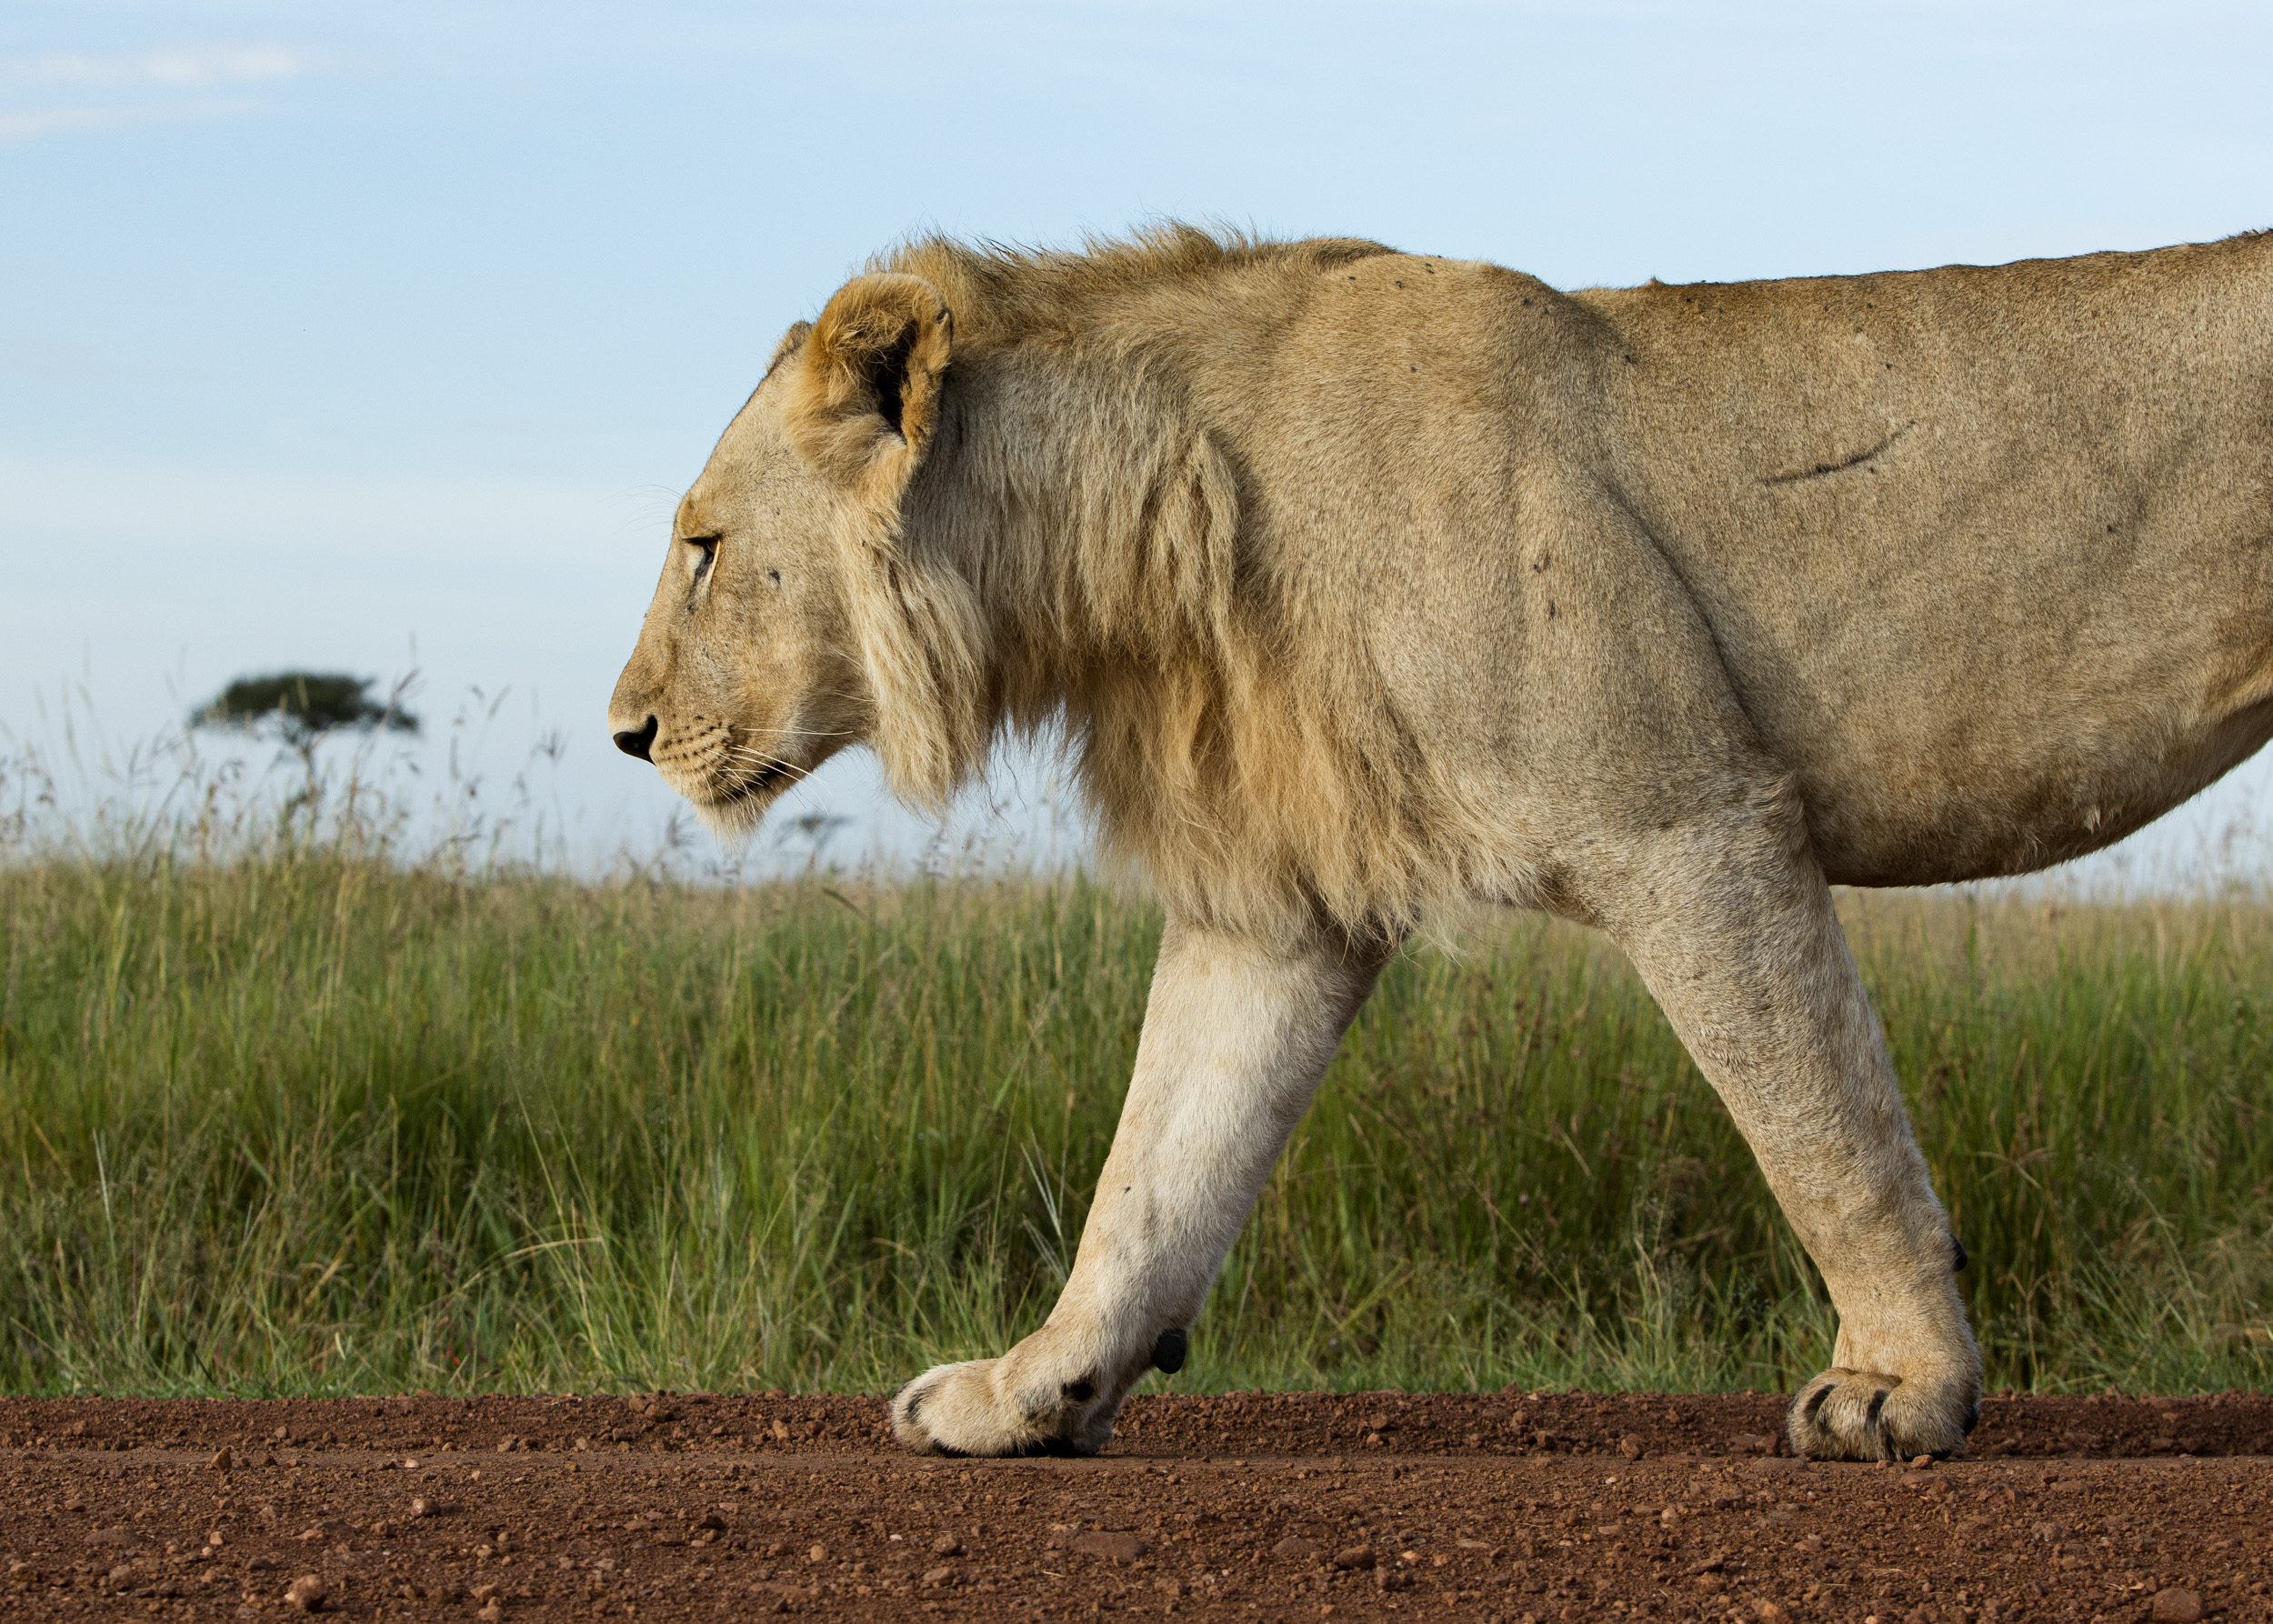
(778, 633)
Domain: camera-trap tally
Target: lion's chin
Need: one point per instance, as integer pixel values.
(734, 811)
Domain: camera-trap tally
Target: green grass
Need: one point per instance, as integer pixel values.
(301, 1122)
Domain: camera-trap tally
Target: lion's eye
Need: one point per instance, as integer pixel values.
(708, 546)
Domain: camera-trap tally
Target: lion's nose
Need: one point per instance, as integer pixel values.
(636, 744)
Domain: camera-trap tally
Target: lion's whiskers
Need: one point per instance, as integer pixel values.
(765, 763)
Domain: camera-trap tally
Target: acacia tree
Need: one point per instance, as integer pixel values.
(301, 708)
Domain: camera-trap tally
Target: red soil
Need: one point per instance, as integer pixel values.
(1285, 1505)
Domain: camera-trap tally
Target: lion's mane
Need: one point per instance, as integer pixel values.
(1105, 579)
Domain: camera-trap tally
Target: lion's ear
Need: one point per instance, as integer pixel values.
(866, 398)
(798, 334)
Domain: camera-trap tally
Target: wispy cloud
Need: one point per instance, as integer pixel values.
(194, 65)
(155, 87)
(68, 121)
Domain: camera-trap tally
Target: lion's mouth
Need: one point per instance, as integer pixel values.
(762, 785)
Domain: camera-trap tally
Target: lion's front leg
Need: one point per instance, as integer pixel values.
(1732, 926)
(1237, 1035)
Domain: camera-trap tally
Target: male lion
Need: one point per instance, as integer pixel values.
(1364, 582)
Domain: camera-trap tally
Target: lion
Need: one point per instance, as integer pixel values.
(1364, 585)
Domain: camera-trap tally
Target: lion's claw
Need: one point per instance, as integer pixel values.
(1859, 1415)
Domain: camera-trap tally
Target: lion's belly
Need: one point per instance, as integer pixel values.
(1977, 773)
(1947, 831)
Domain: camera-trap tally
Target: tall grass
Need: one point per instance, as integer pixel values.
(302, 1089)
(308, 1119)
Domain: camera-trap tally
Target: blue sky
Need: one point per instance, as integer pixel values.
(331, 332)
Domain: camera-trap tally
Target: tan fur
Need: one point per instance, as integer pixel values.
(1363, 583)
(1247, 762)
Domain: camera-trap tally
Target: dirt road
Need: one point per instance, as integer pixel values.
(1508, 1506)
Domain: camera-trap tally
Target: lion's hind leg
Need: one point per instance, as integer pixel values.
(1731, 925)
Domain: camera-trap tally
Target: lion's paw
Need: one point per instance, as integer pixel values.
(1857, 1415)
(972, 1409)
